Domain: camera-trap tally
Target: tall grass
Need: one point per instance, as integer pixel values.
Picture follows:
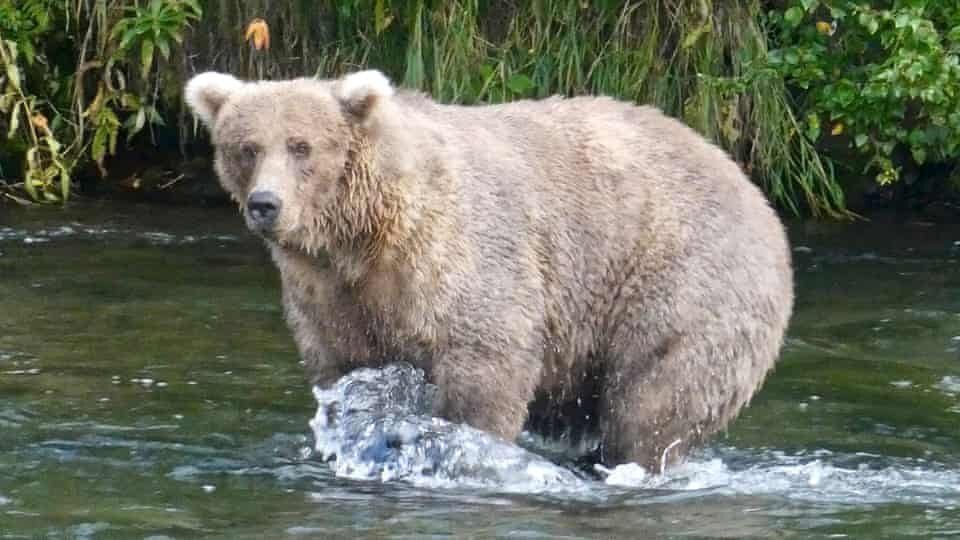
(699, 60)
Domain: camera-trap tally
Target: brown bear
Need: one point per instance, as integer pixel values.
(582, 266)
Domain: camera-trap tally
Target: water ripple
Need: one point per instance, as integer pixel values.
(78, 230)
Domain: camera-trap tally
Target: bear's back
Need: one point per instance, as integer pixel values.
(593, 191)
(599, 171)
(607, 152)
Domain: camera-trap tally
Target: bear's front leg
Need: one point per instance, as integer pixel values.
(487, 385)
(327, 333)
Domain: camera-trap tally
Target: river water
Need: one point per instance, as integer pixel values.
(149, 389)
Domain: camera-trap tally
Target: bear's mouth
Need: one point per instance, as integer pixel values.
(267, 233)
(263, 231)
(290, 242)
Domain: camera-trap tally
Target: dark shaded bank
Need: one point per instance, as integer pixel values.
(164, 177)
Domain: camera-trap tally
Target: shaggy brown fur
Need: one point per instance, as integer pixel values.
(583, 264)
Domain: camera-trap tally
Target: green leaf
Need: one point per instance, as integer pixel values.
(694, 36)
(127, 39)
(121, 26)
(155, 117)
(98, 148)
(113, 141)
(813, 127)
(919, 155)
(868, 21)
(146, 58)
(844, 93)
(64, 183)
(860, 139)
(13, 75)
(141, 119)
(917, 137)
(28, 181)
(164, 47)
(57, 124)
(793, 16)
(14, 119)
(809, 5)
(954, 33)
(519, 84)
(130, 101)
(194, 6)
(29, 53)
(381, 18)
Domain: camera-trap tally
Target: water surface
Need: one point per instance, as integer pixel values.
(149, 388)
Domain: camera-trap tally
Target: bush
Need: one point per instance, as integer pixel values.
(884, 76)
(76, 75)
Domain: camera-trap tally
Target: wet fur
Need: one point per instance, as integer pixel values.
(595, 261)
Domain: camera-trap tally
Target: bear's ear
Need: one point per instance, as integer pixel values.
(359, 93)
(207, 92)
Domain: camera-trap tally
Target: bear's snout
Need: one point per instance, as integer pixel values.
(263, 207)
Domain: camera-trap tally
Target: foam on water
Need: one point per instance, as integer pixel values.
(44, 235)
(822, 477)
(949, 385)
(376, 424)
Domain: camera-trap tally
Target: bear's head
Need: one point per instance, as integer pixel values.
(297, 155)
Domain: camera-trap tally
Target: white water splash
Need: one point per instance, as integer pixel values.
(822, 476)
(375, 424)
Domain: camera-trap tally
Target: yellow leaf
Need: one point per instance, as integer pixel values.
(258, 33)
(94, 107)
(826, 28)
(40, 121)
(837, 129)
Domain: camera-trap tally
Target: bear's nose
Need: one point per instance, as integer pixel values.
(263, 207)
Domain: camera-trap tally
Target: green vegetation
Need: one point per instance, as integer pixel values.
(884, 74)
(76, 74)
(775, 83)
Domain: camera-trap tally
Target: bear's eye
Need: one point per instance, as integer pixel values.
(299, 148)
(248, 152)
